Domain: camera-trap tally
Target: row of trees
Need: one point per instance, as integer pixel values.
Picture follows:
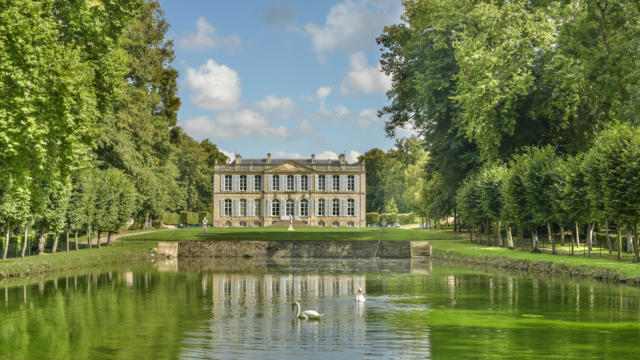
(540, 188)
(484, 81)
(88, 108)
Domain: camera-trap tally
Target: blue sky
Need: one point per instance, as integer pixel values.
(287, 77)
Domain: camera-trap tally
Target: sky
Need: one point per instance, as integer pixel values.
(290, 78)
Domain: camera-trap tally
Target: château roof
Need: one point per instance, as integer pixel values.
(240, 164)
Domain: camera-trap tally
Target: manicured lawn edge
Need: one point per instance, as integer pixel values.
(520, 260)
(37, 264)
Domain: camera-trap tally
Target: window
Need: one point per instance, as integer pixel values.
(275, 182)
(304, 207)
(322, 182)
(304, 183)
(243, 207)
(257, 205)
(320, 207)
(351, 224)
(227, 182)
(336, 182)
(290, 183)
(289, 209)
(351, 183)
(227, 224)
(257, 224)
(275, 208)
(336, 207)
(336, 224)
(243, 182)
(227, 207)
(258, 183)
(351, 207)
(243, 224)
(321, 223)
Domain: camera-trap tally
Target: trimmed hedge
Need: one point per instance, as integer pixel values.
(392, 218)
(186, 217)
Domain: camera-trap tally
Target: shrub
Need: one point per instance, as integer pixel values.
(372, 218)
(406, 219)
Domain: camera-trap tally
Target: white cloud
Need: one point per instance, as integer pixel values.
(341, 113)
(229, 154)
(206, 36)
(242, 123)
(363, 78)
(272, 103)
(353, 24)
(327, 154)
(353, 156)
(320, 95)
(216, 87)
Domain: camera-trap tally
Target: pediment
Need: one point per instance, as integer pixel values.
(290, 166)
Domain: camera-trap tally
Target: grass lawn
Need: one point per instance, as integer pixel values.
(463, 248)
(130, 251)
(301, 233)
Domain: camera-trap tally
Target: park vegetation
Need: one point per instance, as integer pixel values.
(528, 111)
(88, 110)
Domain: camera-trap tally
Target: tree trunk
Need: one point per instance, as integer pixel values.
(629, 241)
(590, 228)
(550, 236)
(619, 231)
(534, 240)
(499, 230)
(26, 238)
(98, 238)
(55, 243)
(520, 234)
(509, 238)
(41, 242)
(89, 237)
(146, 221)
(109, 239)
(577, 236)
(573, 239)
(606, 231)
(67, 240)
(76, 239)
(636, 247)
(6, 244)
(562, 234)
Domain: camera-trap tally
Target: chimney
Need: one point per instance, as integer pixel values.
(268, 158)
(313, 158)
(238, 159)
(341, 159)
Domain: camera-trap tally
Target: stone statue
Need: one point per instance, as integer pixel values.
(204, 224)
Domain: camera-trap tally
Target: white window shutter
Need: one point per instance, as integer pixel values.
(316, 184)
(250, 182)
(296, 208)
(283, 182)
(268, 209)
(250, 207)
(355, 207)
(343, 207)
(220, 179)
(343, 182)
(317, 206)
(356, 183)
(297, 179)
(222, 208)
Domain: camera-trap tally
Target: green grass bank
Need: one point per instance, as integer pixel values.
(117, 253)
(523, 260)
(300, 233)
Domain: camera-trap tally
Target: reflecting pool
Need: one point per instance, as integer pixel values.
(241, 309)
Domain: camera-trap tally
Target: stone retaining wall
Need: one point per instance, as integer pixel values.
(296, 249)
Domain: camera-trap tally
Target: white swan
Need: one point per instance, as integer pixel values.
(360, 297)
(307, 314)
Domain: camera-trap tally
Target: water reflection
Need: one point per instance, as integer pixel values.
(242, 309)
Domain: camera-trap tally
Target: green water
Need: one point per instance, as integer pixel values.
(241, 310)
